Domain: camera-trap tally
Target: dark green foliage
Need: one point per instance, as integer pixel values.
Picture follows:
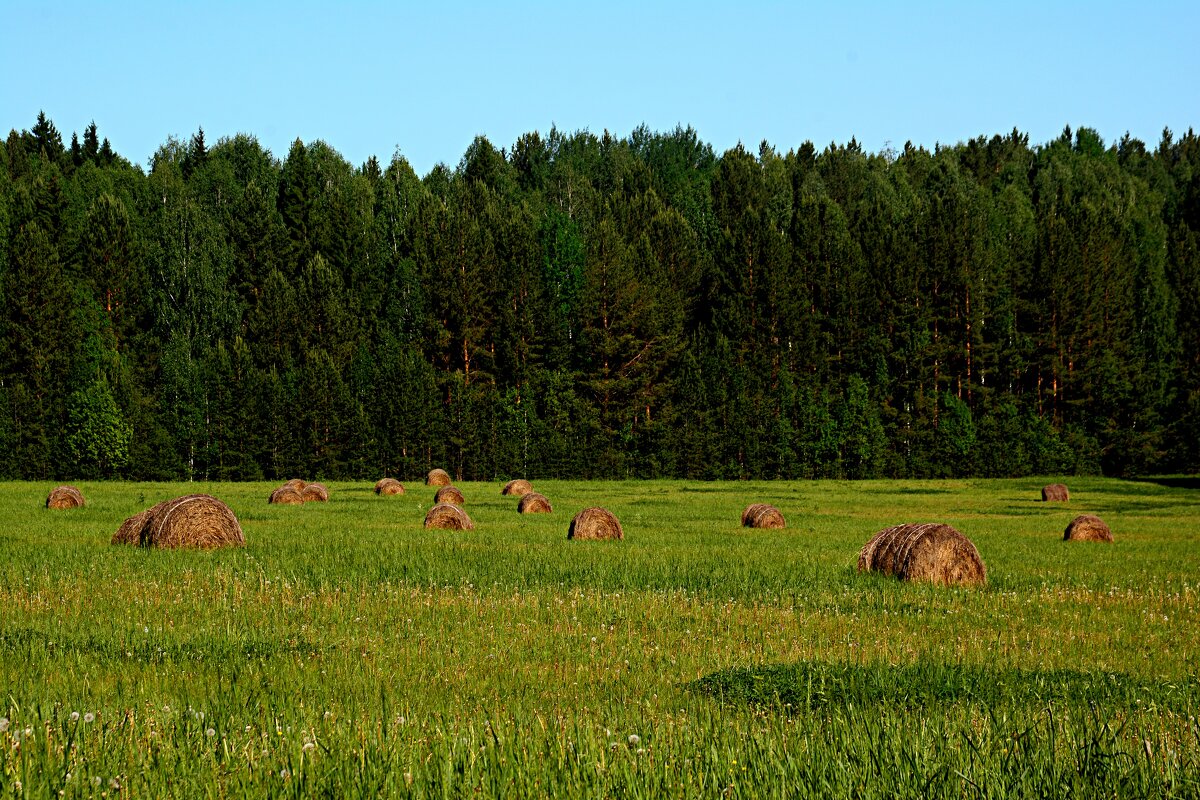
(590, 306)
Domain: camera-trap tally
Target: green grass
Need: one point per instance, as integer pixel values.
(348, 652)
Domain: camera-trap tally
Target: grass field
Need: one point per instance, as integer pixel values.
(348, 652)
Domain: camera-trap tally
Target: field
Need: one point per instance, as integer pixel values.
(348, 652)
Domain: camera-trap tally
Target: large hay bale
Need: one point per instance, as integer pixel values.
(65, 497)
(448, 517)
(1087, 528)
(519, 488)
(437, 477)
(761, 515)
(315, 493)
(1055, 493)
(287, 496)
(595, 523)
(297, 484)
(534, 503)
(195, 520)
(387, 487)
(451, 495)
(130, 531)
(923, 552)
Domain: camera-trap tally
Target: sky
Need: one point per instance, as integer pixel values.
(424, 79)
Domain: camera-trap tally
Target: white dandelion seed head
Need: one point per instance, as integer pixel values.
(211, 732)
(634, 739)
(247, 729)
(17, 785)
(74, 716)
(285, 773)
(328, 714)
(3, 724)
(308, 746)
(641, 751)
(29, 731)
(89, 717)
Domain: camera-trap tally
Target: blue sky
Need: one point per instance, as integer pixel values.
(369, 78)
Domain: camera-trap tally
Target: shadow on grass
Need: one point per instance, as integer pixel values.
(815, 684)
(1172, 481)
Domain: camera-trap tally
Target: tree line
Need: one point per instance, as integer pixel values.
(586, 306)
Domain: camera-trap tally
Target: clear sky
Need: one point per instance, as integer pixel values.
(428, 77)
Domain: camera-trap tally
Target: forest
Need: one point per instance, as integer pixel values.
(585, 306)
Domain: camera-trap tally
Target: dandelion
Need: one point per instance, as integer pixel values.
(248, 729)
(634, 740)
(89, 717)
(328, 714)
(74, 716)
(211, 732)
(285, 773)
(17, 786)
(308, 746)
(3, 724)
(641, 751)
(29, 731)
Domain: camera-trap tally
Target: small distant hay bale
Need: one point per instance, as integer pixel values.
(1055, 493)
(387, 487)
(451, 495)
(437, 477)
(195, 520)
(923, 552)
(1087, 528)
(296, 484)
(595, 523)
(65, 497)
(761, 515)
(315, 493)
(286, 496)
(448, 517)
(534, 503)
(519, 488)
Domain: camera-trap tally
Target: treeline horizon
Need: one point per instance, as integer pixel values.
(587, 306)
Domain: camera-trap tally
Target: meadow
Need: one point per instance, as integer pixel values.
(347, 652)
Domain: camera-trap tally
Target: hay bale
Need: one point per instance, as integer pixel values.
(1055, 493)
(286, 495)
(437, 477)
(451, 495)
(448, 517)
(761, 515)
(1087, 528)
(195, 520)
(130, 531)
(315, 493)
(65, 497)
(926, 552)
(534, 503)
(297, 484)
(520, 487)
(595, 523)
(387, 487)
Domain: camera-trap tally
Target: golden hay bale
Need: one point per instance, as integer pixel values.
(1087, 528)
(520, 487)
(449, 517)
(65, 497)
(297, 484)
(451, 495)
(927, 552)
(388, 487)
(1055, 492)
(437, 477)
(595, 523)
(534, 503)
(194, 520)
(287, 496)
(761, 515)
(130, 531)
(315, 493)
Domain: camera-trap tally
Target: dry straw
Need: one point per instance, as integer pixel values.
(65, 497)
(315, 493)
(195, 520)
(595, 523)
(534, 503)
(927, 552)
(297, 484)
(286, 495)
(437, 477)
(519, 488)
(761, 515)
(1055, 493)
(449, 494)
(449, 517)
(1087, 528)
(387, 487)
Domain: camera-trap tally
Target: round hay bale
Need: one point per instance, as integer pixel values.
(448, 517)
(1055, 493)
(923, 552)
(287, 496)
(65, 497)
(388, 487)
(437, 477)
(595, 523)
(520, 487)
(315, 493)
(297, 484)
(534, 503)
(451, 495)
(131, 529)
(194, 520)
(1087, 528)
(761, 515)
